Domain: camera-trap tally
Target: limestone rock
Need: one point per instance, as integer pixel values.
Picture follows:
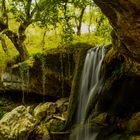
(16, 124)
(40, 133)
(124, 18)
(16, 81)
(44, 76)
(100, 119)
(56, 125)
(61, 101)
(134, 123)
(134, 137)
(62, 105)
(44, 109)
(49, 73)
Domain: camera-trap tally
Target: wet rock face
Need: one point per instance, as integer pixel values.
(47, 74)
(124, 16)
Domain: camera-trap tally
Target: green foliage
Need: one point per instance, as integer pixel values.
(55, 125)
(23, 68)
(6, 105)
(60, 20)
(118, 137)
(103, 29)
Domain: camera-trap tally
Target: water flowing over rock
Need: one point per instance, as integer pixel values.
(91, 84)
(48, 74)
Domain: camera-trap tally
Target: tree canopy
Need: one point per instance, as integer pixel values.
(67, 15)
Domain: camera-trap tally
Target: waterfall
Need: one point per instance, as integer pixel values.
(91, 84)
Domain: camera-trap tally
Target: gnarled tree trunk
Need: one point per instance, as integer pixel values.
(18, 43)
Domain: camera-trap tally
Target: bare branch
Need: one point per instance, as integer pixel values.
(4, 12)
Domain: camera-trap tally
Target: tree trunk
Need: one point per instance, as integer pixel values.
(80, 21)
(124, 17)
(4, 46)
(43, 39)
(19, 45)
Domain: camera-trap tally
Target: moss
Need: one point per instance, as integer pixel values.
(118, 137)
(6, 105)
(134, 137)
(49, 73)
(134, 123)
(39, 132)
(43, 110)
(79, 59)
(132, 67)
(100, 119)
(2, 113)
(55, 125)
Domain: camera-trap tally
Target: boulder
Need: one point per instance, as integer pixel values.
(35, 122)
(136, 137)
(44, 110)
(49, 73)
(134, 122)
(124, 18)
(56, 125)
(17, 124)
(40, 133)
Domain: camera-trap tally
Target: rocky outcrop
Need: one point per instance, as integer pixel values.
(117, 109)
(16, 124)
(116, 128)
(48, 74)
(38, 123)
(124, 18)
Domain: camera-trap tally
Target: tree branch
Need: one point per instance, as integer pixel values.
(4, 12)
(28, 9)
(4, 46)
(3, 26)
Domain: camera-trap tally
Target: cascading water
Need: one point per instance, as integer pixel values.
(91, 84)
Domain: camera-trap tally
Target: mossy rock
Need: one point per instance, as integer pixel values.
(44, 109)
(55, 125)
(40, 132)
(62, 105)
(17, 124)
(49, 73)
(136, 137)
(6, 105)
(134, 123)
(73, 102)
(100, 119)
(117, 137)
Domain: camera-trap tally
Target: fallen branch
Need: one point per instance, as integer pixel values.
(59, 118)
